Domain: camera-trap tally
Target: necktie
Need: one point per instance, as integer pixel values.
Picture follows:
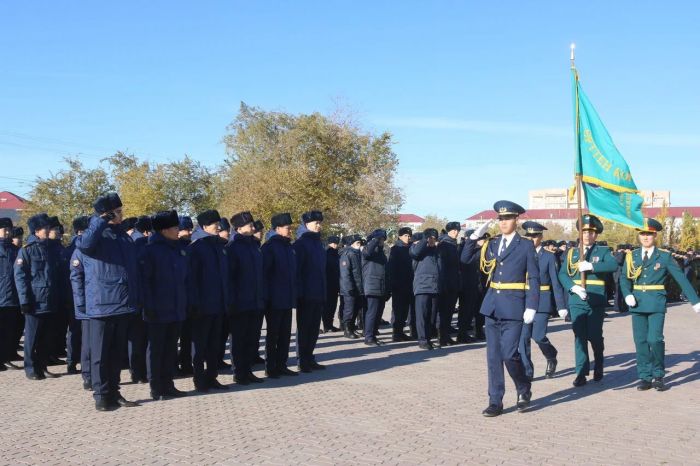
(504, 245)
(646, 256)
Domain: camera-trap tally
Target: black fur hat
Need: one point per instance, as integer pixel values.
(258, 225)
(312, 216)
(107, 202)
(81, 223)
(165, 219)
(241, 219)
(143, 224)
(208, 217)
(453, 226)
(405, 231)
(281, 220)
(37, 222)
(6, 222)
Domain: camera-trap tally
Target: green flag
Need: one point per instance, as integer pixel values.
(606, 179)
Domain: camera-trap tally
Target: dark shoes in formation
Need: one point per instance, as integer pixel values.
(112, 404)
(522, 405)
(657, 384)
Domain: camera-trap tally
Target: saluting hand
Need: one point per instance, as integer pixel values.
(479, 232)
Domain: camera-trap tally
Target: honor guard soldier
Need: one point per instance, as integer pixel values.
(351, 284)
(208, 300)
(549, 285)
(332, 283)
(9, 304)
(400, 267)
(111, 297)
(426, 285)
(77, 279)
(642, 281)
(163, 264)
(587, 304)
(74, 334)
(450, 280)
(311, 279)
(248, 294)
(35, 272)
(374, 284)
(279, 274)
(512, 299)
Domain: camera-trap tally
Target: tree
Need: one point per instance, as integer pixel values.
(557, 232)
(68, 193)
(665, 236)
(616, 233)
(278, 162)
(433, 221)
(689, 233)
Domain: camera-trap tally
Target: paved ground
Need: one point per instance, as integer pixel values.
(390, 405)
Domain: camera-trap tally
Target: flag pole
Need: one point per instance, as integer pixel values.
(579, 181)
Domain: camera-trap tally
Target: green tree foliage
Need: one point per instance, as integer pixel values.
(279, 162)
(68, 193)
(433, 221)
(689, 233)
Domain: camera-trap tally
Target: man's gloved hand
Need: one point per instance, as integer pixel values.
(109, 216)
(529, 316)
(563, 313)
(27, 309)
(479, 232)
(585, 266)
(630, 300)
(580, 291)
(149, 314)
(696, 308)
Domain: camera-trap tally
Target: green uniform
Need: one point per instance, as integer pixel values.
(645, 281)
(587, 316)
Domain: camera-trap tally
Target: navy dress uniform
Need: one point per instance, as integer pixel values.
(248, 294)
(184, 357)
(136, 332)
(163, 264)
(426, 285)
(643, 283)
(351, 283)
(209, 298)
(279, 274)
(77, 280)
(111, 298)
(374, 284)
(35, 273)
(512, 298)
(400, 271)
(587, 306)
(74, 335)
(311, 289)
(451, 282)
(332, 283)
(549, 286)
(9, 304)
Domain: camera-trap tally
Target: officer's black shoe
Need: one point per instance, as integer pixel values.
(464, 339)
(551, 368)
(272, 374)
(216, 385)
(124, 403)
(156, 396)
(11, 365)
(350, 334)
(223, 365)
(175, 393)
(658, 384)
(50, 375)
(479, 336)
(304, 368)
(201, 387)
(334, 329)
(287, 371)
(493, 411)
(72, 369)
(258, 360)
(54, 361)
(241, 380)
(384, 323)
(372, 342)
(104, 405)
(3, 367)
(579, 381)
(448, 342)
(598, 372)
(87, 385)
(398, 337)
(524, 401)
(36, 376)
(316, 366)
(426, 346)
(644, 385)
(254, 378)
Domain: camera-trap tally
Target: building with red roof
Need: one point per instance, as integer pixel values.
(11, 205)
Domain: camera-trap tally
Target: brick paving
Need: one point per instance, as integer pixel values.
(390, 405)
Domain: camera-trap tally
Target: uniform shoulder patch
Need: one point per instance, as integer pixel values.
(76, 262)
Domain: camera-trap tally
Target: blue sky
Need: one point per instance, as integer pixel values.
(476, 94)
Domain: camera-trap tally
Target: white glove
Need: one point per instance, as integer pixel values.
(585, 266)
(479, 232)
(630, 300)
(563, 313)
(529, 316)
(580, 291)
(696, 308)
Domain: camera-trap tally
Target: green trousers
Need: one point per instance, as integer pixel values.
(648, 332)
(587, 324)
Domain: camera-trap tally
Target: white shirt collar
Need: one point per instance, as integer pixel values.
(508, 237)
(538, 248)
(649, 251)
